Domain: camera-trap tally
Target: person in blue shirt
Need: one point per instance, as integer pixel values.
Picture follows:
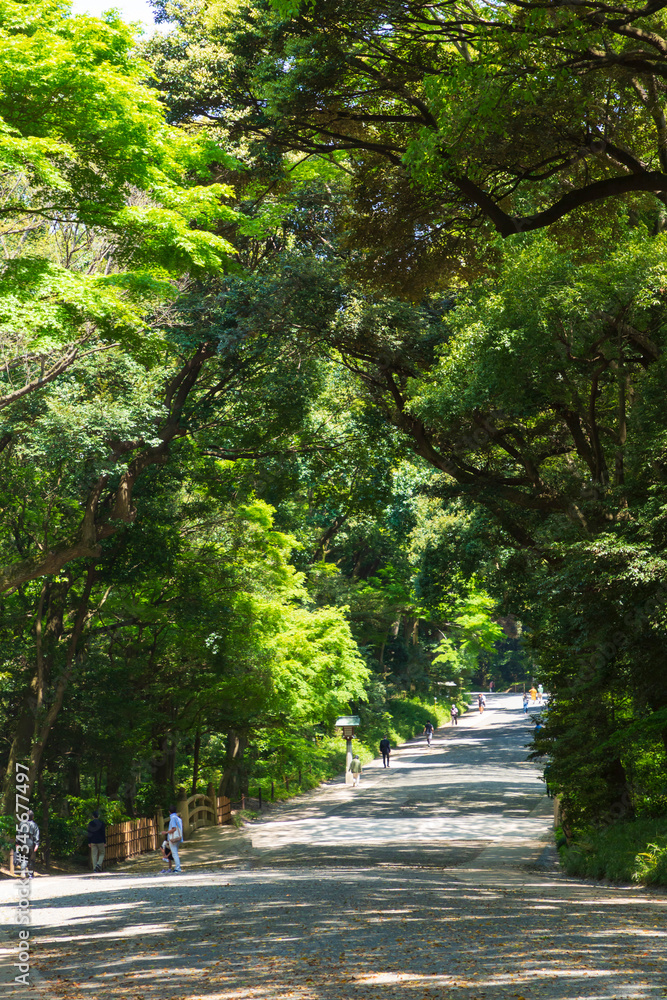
(175, 837)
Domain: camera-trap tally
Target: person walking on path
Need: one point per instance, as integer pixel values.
(533, 694)
(540, 694)
(385, 750)
(428, 729)
(454, 712)
(491, 687)
(481, 703)
(97, 840)
(355, 769)
(525, 702)
(175, 837)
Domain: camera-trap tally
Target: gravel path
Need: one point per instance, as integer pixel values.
(432, 880)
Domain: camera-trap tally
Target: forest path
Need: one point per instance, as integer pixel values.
(421, 883)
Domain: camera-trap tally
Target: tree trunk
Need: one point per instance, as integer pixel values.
(113, 780)
(195, 766)
(45, 837)
(52, 598)
(236, 745)
(18, 751)
(44, 730)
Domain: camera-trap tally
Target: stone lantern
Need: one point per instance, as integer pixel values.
(347, 725)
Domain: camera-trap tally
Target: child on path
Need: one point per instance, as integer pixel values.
(167, 856)
(454, 712)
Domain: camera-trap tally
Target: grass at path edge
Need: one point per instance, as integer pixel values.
(633, 851)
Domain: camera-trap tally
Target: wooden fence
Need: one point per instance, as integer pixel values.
(137, 836)
(132, 837)
(224, 810)
(124, 840)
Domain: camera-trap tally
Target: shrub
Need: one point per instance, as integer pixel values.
(7, 833)
(651, 865)
(67, 834)
(623, 852)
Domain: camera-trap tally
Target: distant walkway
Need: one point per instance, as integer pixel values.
(433, 880)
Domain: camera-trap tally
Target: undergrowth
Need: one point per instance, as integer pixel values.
(630, 851)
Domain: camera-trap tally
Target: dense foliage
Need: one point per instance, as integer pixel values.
(334, 379)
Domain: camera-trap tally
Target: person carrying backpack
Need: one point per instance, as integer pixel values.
(454, 712)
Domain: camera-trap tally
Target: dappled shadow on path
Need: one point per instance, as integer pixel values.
(380, 892)
(335, 933)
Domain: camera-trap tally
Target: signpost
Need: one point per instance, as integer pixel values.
(347, 725)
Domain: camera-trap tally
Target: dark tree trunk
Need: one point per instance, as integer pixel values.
(113, 780)
(44, 838)
(195, 766)
(229, 783)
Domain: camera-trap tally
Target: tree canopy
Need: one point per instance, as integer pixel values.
(333, 380)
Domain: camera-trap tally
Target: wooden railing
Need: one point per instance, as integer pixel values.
(201, 811)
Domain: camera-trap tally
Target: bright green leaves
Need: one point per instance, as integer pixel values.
(44, 307)
(473, 630)
(82, 135)
(314, 666)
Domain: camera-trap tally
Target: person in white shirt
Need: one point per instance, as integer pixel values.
(175, 837)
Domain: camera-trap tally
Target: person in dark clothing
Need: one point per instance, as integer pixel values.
(167, 856)
(97, 838)
(385, 750)
(428, 729)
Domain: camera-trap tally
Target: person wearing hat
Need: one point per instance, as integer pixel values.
(97, 838)
(355, 769)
